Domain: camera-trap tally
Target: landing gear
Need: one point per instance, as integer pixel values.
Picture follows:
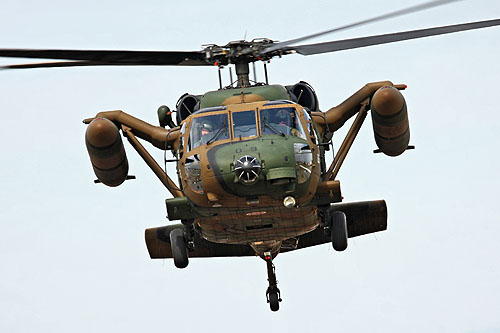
(179, 249)
(273, 299)
(338, 228)
(273, 293)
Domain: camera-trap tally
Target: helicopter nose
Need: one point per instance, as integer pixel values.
(247, 169)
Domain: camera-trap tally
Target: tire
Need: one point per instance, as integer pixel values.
(274, 301)
(179, 250)
(338, 225)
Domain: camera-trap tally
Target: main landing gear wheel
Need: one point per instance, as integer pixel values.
(179, 249)
(274, 301)
(338, 226)
(273, 293)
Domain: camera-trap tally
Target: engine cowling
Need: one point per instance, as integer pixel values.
(106, 152)
(390, 121)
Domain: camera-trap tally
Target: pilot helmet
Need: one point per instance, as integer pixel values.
(206, 125)
(282, 116)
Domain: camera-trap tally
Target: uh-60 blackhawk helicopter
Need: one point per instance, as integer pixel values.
(251, 167)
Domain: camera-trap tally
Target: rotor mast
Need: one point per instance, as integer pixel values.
(242, 72)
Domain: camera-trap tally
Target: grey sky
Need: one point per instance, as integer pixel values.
(73, 257)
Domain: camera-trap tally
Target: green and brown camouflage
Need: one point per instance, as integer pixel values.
(224, 207)
(244, 95)
(250, 159)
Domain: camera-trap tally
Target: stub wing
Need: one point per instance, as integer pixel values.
(362, 218)
(158, 243)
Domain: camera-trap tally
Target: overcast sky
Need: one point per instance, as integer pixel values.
(72, 253)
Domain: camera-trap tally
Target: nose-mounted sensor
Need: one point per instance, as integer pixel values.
(247, 168)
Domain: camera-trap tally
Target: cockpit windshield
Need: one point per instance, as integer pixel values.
(208, 129)
(283, 121)
(244, 124)
(211, 128)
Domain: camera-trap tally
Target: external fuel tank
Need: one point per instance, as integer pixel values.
(106, 151)
(390, 121)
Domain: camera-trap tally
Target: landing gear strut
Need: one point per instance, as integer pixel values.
(273, 293)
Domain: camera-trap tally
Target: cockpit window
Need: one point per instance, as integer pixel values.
(244, 124)
(281, 121)
(308, 122)
(208, 129)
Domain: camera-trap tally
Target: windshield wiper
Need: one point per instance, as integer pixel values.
(221, 130)
(266, 124)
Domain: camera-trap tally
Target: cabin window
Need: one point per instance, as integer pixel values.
(208, 129)
(183, 130)
(244, 124)
(310, 127)
(281, 121)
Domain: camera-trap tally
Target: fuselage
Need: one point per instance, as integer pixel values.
(238, 163)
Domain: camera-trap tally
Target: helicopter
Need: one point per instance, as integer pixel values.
(253, 187)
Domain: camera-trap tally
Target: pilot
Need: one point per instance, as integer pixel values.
(285, 122)
(205, 129)
(283, 118)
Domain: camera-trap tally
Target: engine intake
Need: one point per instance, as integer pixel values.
(186, 105)
(302, 93)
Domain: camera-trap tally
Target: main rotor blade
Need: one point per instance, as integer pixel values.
(347, 44)
(72, 64)
(179, 58)
(53, 64)
(396, 13)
